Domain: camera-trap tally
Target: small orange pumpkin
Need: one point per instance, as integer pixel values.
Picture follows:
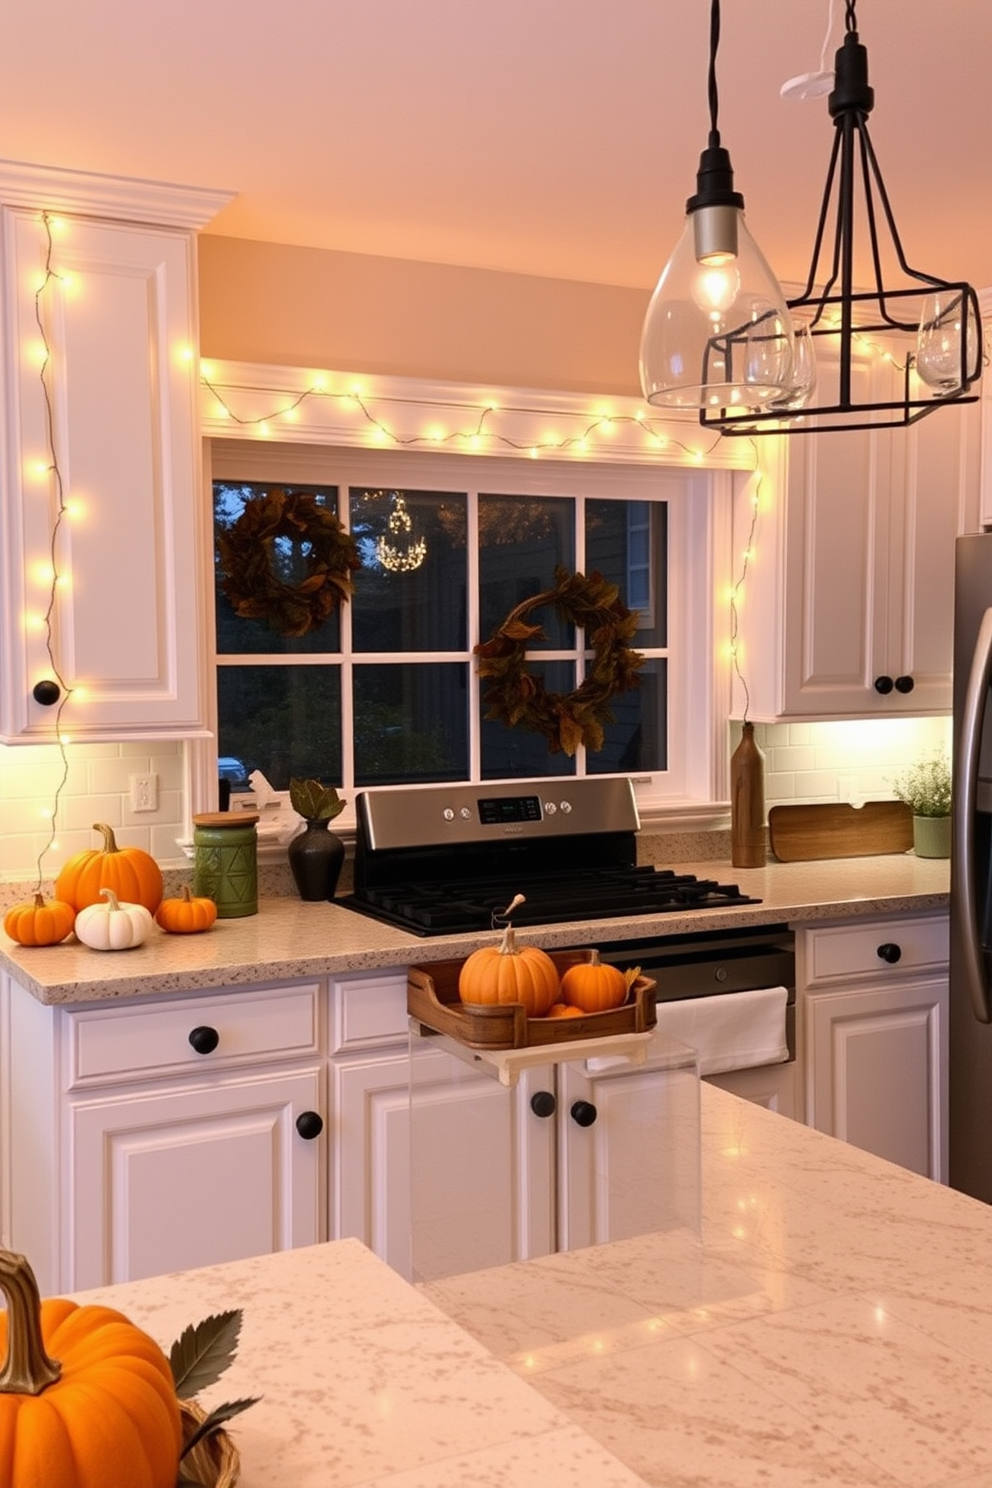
(39, 922)
(186, 915)
(133, 874)
(85, 1396)
(564, 1010)
(595, 987)
(510, 973)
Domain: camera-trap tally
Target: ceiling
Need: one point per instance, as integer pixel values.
(548, 137)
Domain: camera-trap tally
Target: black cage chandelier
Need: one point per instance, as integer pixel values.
(837, 356)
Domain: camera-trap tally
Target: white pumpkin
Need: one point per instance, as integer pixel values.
(114, 926)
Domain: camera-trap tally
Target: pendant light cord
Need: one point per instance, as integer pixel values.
(712, 91)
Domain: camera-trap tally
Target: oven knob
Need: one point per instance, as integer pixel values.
(448, 814)
(550, 808)
(583, 1113)
(566, 806)
(466, 813)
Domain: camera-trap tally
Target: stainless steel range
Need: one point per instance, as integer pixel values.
(449, 859)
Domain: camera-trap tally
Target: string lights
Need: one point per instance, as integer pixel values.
(53, 690)
(388, 554)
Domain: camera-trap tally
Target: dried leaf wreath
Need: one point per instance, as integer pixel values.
(515, 696)
(250, 579)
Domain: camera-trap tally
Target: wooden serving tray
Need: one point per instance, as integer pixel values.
(837, 830)
(432, 998)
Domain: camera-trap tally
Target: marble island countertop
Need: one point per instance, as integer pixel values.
(289, 938)
(831, 1325)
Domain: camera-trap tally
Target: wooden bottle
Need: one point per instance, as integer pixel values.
(747, 802)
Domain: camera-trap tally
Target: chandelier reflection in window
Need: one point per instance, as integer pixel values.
(389, 553)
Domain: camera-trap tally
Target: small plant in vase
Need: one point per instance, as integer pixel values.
(315, 854)
(926, 790)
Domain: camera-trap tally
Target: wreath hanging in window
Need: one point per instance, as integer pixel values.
(250, 577)
(516, 697)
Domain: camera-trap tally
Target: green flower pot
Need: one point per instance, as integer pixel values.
(932, 836)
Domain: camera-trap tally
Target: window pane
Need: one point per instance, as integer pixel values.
(508, 752)
(409, 597)
(282, 720)
(411, 723)
(638, 739)
(628, 542)
(521, 540)
(288, 559)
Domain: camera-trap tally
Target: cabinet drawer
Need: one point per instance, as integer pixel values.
(368, 1011)
(842, 951)
(138, 1042)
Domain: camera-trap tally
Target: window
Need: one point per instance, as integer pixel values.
(385, 692)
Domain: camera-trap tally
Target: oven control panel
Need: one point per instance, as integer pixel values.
(432, 816)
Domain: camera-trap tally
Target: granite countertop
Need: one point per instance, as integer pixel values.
(290, 938)
(830, 1325)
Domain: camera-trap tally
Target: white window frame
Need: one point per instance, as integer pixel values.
(252, 440)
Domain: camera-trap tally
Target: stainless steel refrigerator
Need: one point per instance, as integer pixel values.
(971, 873)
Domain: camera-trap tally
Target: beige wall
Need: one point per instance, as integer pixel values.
(304, 307)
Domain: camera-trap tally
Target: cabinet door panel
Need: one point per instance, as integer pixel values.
(468, 1185)
(187, 1178)
(876, 1062)
(119, 320)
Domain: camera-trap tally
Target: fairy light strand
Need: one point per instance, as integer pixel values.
(61, 511)
(735, 592)
(469, 435)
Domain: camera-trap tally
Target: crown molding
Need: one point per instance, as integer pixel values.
(158, 203)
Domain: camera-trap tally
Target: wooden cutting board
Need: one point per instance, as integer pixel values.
(799, 833)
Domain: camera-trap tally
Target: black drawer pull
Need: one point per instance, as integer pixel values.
(204, 1039)
(904, 684)
(884, 685)
(584, 1113)
(889, 952)
(309, 1125)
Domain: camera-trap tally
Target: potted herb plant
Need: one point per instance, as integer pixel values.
(926, 790)
(315, 854)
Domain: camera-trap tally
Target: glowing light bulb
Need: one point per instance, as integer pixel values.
(264, 430)
(716, 286)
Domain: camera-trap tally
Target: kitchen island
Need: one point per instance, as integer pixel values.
(832, 1325)
(290, 938)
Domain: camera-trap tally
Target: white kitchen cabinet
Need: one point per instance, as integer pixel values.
(876, 1028)
(441, 1168)
(130, 1152)
(848, 605)
(109, 438)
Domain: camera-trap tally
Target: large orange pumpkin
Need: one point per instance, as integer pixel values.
(87, 1399)
(39, 921)
(510, 973)
(593, 986)
(132, 873)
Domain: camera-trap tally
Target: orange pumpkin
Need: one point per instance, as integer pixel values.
(39, 922)
(593, 986)
(186, 915)
(510, 973)
(563, 1010)
(133, 874)
(85, 1396)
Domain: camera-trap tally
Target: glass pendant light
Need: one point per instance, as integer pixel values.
(718, 332)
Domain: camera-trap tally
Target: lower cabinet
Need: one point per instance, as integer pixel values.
(876, 1001)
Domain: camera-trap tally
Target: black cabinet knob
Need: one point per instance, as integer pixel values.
(584, 1113)
(309, 1125)
(204, 1039)
(884, 685)
(543, 1103)
(889, 952)
(46, 692)
(904, 684)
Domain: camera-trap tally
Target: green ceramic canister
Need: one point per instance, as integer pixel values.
(225, 867)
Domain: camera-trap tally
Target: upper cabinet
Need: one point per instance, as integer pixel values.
(102, 468)
(847, 610)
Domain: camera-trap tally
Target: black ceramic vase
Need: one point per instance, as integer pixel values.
(315, 856)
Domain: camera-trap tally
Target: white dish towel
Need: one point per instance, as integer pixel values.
(732, 1030)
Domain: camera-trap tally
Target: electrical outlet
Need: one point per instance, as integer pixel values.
(144, 792)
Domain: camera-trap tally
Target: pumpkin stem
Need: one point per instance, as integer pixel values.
(113, 903)
(594, 958)
(508, 945)
(28, 1370)
(109, 840)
